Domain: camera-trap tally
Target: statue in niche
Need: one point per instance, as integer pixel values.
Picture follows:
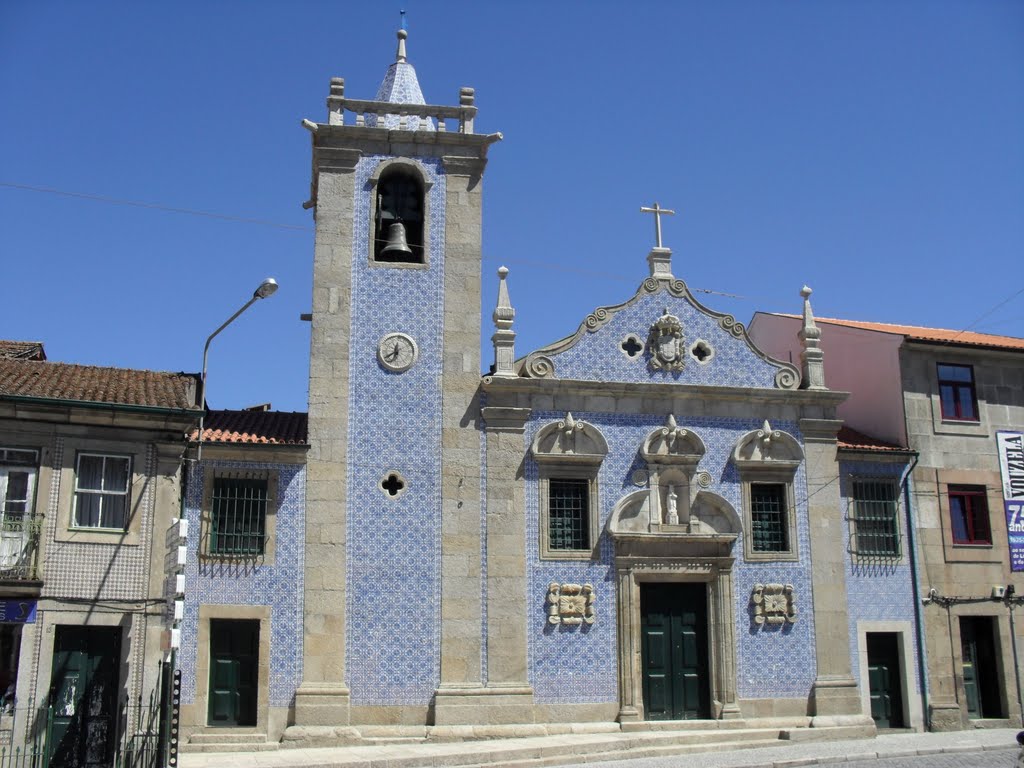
(673, 506)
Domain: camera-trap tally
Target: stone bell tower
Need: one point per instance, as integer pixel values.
(393, 465)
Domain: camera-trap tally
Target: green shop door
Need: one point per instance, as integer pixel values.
(83, 696)
(674, 649)
(981, 681)
(234, 670)
(884, 679)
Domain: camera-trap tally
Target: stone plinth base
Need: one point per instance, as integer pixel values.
(322, 704)
(836, 701)
(945, 716)
(490, 705)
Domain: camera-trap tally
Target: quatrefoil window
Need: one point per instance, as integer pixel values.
(631, 346)
(393, 484)
(702, 352)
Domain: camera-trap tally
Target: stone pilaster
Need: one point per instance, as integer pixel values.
(322, 700)
(504, 695)
(461, 644)
(630, 690)
(835, 698)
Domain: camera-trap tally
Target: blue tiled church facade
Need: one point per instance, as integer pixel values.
(398, 597)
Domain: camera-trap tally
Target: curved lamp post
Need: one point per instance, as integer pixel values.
(266, 288)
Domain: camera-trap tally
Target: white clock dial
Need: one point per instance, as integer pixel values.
(397, 352)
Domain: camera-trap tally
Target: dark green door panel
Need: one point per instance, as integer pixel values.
(884, 679)
(982, 683)
(234, 670)
(83, 695)
(674, 651)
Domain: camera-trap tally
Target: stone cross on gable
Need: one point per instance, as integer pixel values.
(657, 210)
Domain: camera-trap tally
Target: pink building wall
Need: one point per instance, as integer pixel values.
(862, 362)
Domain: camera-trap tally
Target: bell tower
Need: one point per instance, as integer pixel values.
(393, 466)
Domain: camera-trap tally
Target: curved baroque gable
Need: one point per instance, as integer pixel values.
(543, 363)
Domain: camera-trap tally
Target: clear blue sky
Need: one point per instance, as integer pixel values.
(873, 150)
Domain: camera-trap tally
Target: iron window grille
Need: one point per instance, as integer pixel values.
(874, 516)
(958, 398)
(238, 517)
(568, 514)
(768, 521)
(968, 513)
(102, 490)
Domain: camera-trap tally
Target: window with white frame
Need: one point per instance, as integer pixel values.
(19, 468)
(102, 491)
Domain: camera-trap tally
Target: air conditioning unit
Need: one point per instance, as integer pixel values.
(998, 592)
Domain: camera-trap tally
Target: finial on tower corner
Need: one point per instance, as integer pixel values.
(402, 35)
(812, 358)
(504, 337)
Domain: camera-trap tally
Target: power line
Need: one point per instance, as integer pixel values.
(155, 206)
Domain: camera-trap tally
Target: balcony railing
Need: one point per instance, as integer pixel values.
(19, 546)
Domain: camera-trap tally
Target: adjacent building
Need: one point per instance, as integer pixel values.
(90, 482)
(955, 401)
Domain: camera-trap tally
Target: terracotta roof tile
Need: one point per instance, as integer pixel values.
(94, 384)
(941, 335)
(254, 427)
(22, 350)
(851, 439)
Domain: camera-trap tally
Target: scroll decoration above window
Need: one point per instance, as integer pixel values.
(570, 440)
(767, 447)
(767, 460)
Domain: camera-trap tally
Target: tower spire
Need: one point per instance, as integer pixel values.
(400, 57)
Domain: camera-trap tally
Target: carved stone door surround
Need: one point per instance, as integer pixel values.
(716, 573)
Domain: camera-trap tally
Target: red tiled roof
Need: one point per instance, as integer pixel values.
(259, 427)
(853, 440)
(941, 335)
(93, 384)
(22, 350)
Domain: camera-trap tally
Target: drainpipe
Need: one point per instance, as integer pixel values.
(922, 668)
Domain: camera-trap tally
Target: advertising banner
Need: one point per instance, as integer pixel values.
(1011, 468)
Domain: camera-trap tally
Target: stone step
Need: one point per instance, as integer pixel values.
(228, 741)
(227, 737)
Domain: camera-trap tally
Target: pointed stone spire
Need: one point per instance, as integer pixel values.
(504, 338)
(401, 86)
(812, 358)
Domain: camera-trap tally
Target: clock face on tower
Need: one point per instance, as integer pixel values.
(397, 352)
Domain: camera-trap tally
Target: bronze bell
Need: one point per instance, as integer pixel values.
(397, 245)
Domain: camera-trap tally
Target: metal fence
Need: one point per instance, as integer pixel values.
(136, 737)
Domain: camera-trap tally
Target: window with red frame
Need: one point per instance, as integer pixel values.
(968, 512)
(956, 392)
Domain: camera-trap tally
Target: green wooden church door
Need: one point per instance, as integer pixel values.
(674, 651)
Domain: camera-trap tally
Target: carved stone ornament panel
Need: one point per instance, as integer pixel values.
(665, 344)
(773, 604)
(570, 604)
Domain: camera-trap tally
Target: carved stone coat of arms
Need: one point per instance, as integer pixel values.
(665, 344)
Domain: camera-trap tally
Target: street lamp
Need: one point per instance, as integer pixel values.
(266, 288)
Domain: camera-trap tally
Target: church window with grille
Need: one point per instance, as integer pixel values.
(568, 514)
(768, 516)
(876, 528)
(238, 518)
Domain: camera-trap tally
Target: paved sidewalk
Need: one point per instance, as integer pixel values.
(613, 750)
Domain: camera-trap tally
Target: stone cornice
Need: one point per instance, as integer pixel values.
(801, 397)
(820, 430)
(327, 134)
